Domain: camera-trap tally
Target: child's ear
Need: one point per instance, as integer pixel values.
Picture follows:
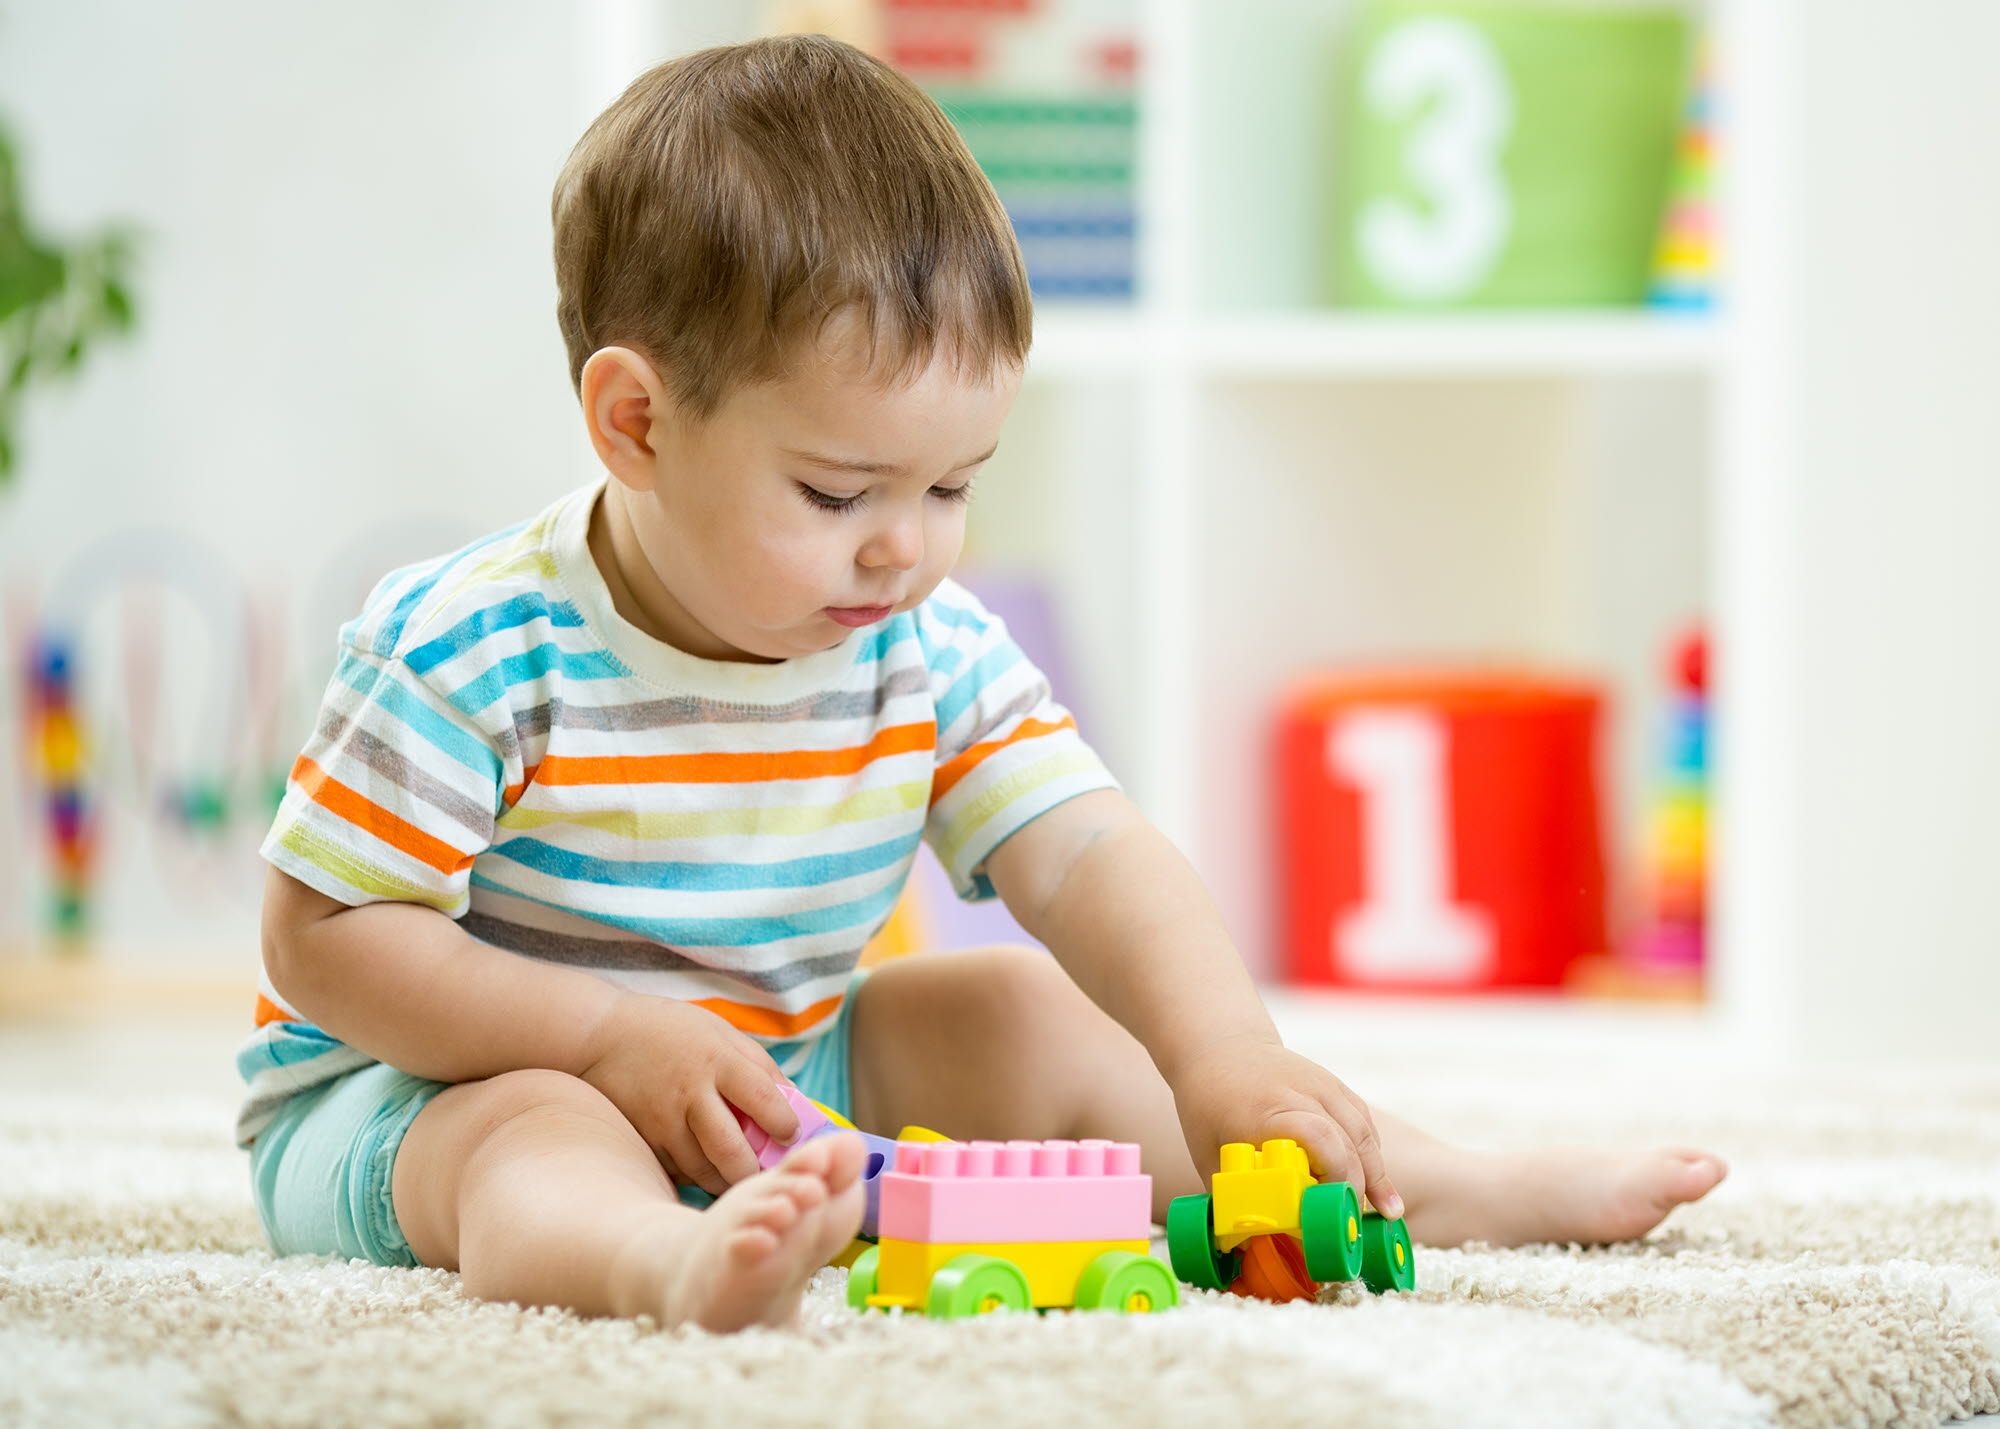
(623, 405)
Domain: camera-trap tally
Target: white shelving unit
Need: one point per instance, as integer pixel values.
(1230, 483)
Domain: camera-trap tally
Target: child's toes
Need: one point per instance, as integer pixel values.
(750, 1245)
(847, 1165)
(773, 1209)
(803, 1193)
(1691, 1175)
(832, 1160)
(840, 1222)
(845, 1155)
(807, 1156)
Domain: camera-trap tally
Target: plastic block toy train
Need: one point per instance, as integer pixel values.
(1268, 1229)
(968, 1228)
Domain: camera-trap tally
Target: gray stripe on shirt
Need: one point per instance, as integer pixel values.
(640, 955)
(693, 709)
(343, 733)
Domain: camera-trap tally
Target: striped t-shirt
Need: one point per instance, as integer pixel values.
(498, 743)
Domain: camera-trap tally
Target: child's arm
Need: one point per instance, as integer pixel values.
(405, 984)
(1129, 919)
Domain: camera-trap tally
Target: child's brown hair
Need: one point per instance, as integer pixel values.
(732, 201)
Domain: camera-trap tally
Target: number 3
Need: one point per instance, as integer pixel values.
(1446, 248)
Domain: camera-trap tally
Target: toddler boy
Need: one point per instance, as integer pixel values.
(600, 810)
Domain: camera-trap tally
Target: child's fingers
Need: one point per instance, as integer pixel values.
(1359, 1126)
(721, 1139)
(688, 1163)
(1340, 1154)
(754, 1092)
(1328, 1148)
(765, 1062)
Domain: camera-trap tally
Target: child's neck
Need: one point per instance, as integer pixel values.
(637, 592)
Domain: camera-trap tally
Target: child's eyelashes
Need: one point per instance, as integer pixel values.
(815, 497)
(826, 501)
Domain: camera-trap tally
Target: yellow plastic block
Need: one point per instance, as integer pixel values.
(1257, 1191)
(903, 1274)
(920, 1133)
(833, 1116)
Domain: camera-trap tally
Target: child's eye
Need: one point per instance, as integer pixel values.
(815, 497)
(961, 492)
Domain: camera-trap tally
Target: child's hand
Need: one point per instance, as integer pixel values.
(671, 1067)
(1255, 1091)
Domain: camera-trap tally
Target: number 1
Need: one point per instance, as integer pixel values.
(1406, 925)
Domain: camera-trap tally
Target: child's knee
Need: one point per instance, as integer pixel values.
(541, 1089)
(458, 1132)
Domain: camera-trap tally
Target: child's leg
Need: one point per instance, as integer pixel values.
(999, 1043)
(540, 1191)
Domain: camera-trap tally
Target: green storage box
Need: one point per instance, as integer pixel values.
(1496, 155)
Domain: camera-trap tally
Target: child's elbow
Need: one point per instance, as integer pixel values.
(290, 907)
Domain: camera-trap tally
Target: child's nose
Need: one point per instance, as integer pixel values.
(899, 546)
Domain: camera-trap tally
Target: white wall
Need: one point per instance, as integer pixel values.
(1896, 325)
(347, 354)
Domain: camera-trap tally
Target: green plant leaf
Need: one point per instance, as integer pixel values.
(54, 298)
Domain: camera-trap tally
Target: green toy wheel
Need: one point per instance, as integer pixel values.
(1330, 1228)
(1131, 1284)
(861, 1277)
(1387, 1261)
(1191, 1244)
(976, 1285)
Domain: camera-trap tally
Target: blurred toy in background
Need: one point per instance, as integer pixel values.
(57, 758)
(1684, 263)
(1504, 154)
(1044, 93)
(1439, 832)
(147, 705)
(1674, 935)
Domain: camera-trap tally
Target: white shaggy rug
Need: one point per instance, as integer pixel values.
(1847, 1273)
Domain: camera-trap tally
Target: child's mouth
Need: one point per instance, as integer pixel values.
(856, 615)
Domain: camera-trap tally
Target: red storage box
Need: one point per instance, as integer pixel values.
(1439, 832)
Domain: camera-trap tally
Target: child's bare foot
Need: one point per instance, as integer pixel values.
(746, 1259)
(1559, 1194)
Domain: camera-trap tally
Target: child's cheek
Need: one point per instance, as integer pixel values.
(794, 571)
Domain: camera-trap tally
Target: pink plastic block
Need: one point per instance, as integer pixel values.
(812, 1121)
(951, 1192)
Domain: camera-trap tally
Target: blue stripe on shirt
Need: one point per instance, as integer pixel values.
(966, 688)
(385, 691)
(475, 695)
(684, 876)
(863, 914)
(492, 619)
(392, 628)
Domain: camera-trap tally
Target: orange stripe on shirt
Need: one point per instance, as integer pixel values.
(269, 1011)
(762, 1020)
(744, 768)
(949, 774)
(513, 792)
(329, 793)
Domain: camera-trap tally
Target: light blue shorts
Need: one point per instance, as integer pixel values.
(321, 1170)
